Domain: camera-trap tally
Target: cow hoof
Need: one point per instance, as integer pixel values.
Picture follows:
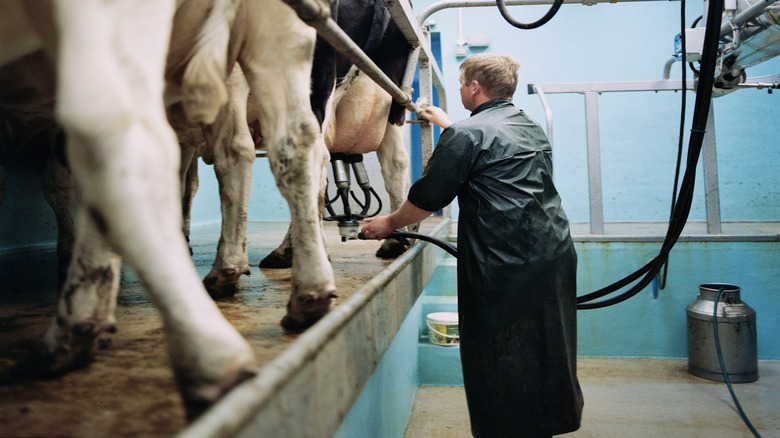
(44, 362)
(392, 248)
(277, 261)
(297, 324)
(223, 283)
(308, 310)
(200, 395)
(218, 290)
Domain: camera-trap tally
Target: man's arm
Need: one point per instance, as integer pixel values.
(379, 227)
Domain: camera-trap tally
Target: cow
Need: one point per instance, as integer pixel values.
(365, 120)
(363, 117)
(112, 60)
(280, 95)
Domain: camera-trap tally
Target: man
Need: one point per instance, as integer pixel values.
(516, 265)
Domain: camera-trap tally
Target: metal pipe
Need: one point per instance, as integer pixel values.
(728, 26)
(317, 15)
(435, 7)
(547, 111)
(668, 67)
(332, 33)
(594, 163)
(416, 35)
(748, 14)
(411, 64)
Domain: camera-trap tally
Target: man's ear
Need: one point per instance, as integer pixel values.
(475, 87)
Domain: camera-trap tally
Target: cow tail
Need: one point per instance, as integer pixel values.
(204, 77)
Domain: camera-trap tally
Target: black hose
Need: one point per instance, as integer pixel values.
(723, 366)
(685, 197)
(538, 23)
(409, 235)
(681, 135)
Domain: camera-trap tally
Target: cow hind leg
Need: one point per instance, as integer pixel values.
(233, 153)
(124, 158)
(296, 151)
(281, 257)
(85, 309)
(394, 162)
(190, 183)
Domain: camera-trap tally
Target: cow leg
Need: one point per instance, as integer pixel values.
(190, 183)
(282, 256)
(295, 150)
(394, 162)
(233, 154)
(191, 142)
(85, 308)
(124, 158)
(57, 188)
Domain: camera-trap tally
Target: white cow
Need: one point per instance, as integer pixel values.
(110, 63)
(277, 66)
(364, 120)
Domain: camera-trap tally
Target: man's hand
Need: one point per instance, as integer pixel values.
(378, 227)
(435, 115)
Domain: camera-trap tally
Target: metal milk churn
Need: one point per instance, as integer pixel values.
(736, 332)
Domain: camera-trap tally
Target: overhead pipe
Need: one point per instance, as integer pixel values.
(317, 15)
(435, 7)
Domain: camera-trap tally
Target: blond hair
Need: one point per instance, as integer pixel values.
(496, 73)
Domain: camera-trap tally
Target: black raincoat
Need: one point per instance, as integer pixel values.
(516, 272)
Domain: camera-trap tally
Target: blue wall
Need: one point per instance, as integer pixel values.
(647, 325)
(26, 221)
(638, 131)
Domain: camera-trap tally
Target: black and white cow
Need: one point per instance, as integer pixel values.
(361, 116)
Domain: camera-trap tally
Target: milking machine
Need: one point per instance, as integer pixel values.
(348, 225)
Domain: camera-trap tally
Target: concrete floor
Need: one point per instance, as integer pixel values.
(632, 397)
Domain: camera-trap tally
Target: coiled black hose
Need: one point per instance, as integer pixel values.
(538, 23)
(685, 198)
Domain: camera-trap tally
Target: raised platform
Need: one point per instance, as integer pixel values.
(306, 383)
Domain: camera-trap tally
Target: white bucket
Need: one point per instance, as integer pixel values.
(443, 328)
